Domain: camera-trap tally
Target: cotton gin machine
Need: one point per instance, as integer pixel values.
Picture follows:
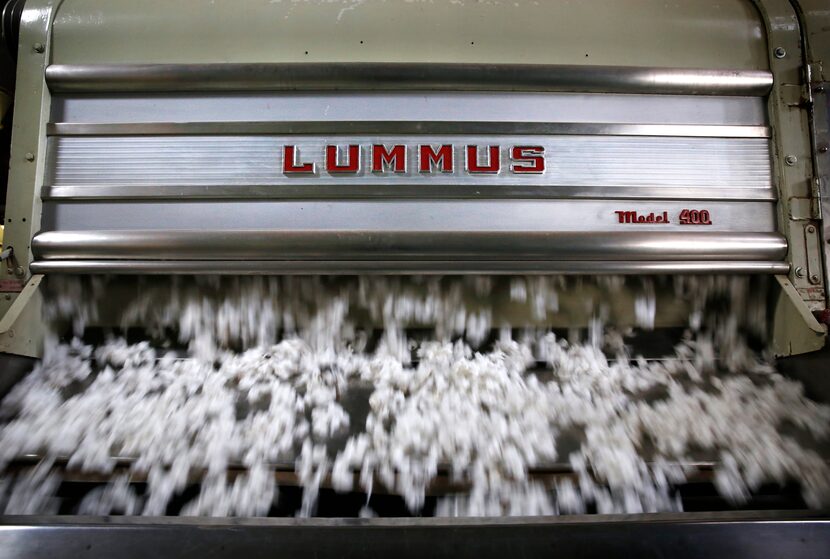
(466, 278)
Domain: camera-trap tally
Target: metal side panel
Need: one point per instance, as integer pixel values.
(793, 153)
(32, 105)
(689, 535)
(653, 33)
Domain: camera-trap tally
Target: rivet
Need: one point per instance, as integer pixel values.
(791, 160)
(824, 149)
(39, 47)
(799, 272)
(811, 228)
(30, 156)
(780, 52)
(814, 278)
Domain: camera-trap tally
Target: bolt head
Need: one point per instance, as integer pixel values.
(30, 156)
(19, 271)
(811, 228)
(779, 52)
(824, 149)
(799, 272)
(814, 278)
(791, 160)
(8, 297)
(39, 47)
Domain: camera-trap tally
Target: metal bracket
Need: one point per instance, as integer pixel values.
(801, 209)
(794, 95)
(20, 303)
(795, 329)
(814, 74)
(8, 256)
(812, 77)
(813, 244)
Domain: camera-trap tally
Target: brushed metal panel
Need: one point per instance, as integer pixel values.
(410, 106)
(410, 245)
(256, 160)
(398, 215)
(402, 75)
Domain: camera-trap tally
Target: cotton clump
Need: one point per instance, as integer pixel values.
(241, 376)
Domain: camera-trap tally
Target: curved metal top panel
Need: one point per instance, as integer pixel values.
(688, 34)
(407, 76)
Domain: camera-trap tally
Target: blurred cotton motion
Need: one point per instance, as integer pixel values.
(463, 396)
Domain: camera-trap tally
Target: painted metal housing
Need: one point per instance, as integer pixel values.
(161, 139)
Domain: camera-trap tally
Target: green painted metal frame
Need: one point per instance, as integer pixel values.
(804, 290)
(28, 151)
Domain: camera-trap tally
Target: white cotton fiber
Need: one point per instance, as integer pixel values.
(268, 365)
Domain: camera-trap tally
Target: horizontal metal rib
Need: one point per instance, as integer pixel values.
(417, 192)
(374, 76)
(253, 267)
(398, 128)
(406, 245)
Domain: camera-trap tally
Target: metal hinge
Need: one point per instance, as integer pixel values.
(814, 73)
(20, 303)
(810, 71)
(7, 256)
(805, 209)
(795, 95)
